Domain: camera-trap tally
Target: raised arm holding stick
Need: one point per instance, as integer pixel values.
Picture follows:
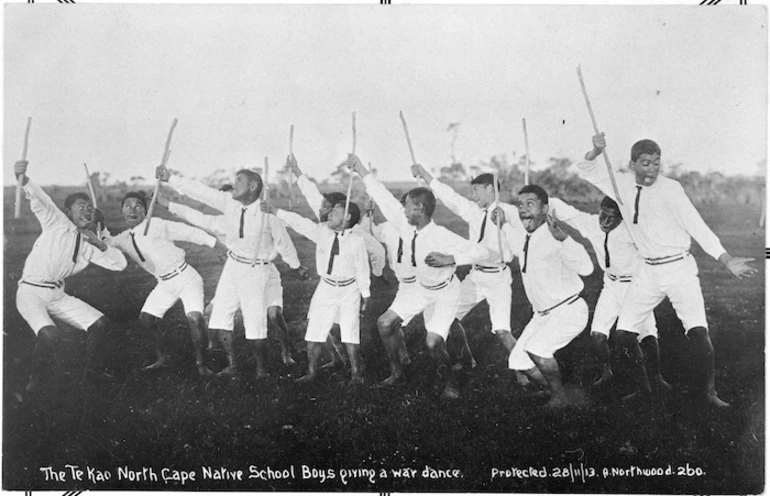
(166, 153)
(350, 172)
(408, 141)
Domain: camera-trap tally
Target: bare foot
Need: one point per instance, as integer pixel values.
(204, 371)
(356, 380)
(556, 403)
(159, 364)
(262, 374)
(714, 400)
(333, 364)
(660, 385)
(306, 379)
(393, 381)
(228, 371)
(522, 379)
(637, 398)
(287, 358)
(450, 392)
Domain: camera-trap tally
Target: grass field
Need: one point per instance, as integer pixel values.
(172, 430)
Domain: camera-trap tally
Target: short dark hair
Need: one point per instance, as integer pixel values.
(334, 198)
(253, 177)
(485, 179)
(537, 190)
(608, 202)
(403, 198)
(139, 195)
(644, 146)
(353, 211)
(425, 198)
(71, 199)
(226, 187)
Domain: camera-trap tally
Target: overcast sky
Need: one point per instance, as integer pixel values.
(103, 83)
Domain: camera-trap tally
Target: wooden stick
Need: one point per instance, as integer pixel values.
(90, 186)
(371, 210)
(499, 225)
(347, 199)
(596, 131)
(354, 132)
(408, 141)
(291, 152)
(526, 149)
(166, 153)
(17, 205)
(262, 196)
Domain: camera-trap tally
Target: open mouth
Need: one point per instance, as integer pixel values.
(526, 222)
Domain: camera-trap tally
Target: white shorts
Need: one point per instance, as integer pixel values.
(676, 280)
(495, 287)
(546, 334)
(253, 289)
(39, 305)
(186, 286)
(439, 307)
(608, 308)
(406, 291)
(332, 304)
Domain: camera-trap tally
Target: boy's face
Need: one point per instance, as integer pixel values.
(609, 219)
(412, 211)
(242, 187)
(81, 213)
(483, 194)
(646, 168)
(532, 211)
(133, 212)
(335, 217)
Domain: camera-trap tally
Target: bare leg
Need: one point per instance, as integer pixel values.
(632, 354)
(333, 350)
(314, 352)
(549, 368)
(212, 333)
(275, 316)
(42, 357)
(602, 350)
(356, 369)
(651, 350)
(259, 347)
(198, 336)
(228, 341)
(96, 346)
(458, 347)
(387, 327)
(703, 353)
(150, 324)
(437, 350)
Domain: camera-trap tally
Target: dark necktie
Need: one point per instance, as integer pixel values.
(483, 226)
(400, 252)
(77, 249)
(606, 250)
(335, 251)
(414, 248)
(240, 231)
(526, 249)
(636, 204)
(136, 247)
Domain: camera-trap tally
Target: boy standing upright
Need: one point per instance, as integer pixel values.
(662, 220)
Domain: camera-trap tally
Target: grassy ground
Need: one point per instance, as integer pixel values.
(172, 425)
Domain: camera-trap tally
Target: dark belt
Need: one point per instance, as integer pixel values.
(45, 284)
(245, 260)
(666, 260)
(173, 273)
(339, 284)
(440, 285)
(613, 277)
(408, 280)
(568, 301)
(490, 269)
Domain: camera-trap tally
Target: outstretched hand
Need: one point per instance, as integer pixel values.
(600, 143)
(162, 173)
(302, 272)
(291, 163)
(20, 169)
(554, 226)
(92, 238)
(355, 163)
(498, 212)
(419, 172)
(738, 266)
(364, 305)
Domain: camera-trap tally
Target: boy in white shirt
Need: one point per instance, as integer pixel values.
(434, 252)
(662, 220)
(343, 292)
(249, 280)
(64, 248)
(157, 254)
